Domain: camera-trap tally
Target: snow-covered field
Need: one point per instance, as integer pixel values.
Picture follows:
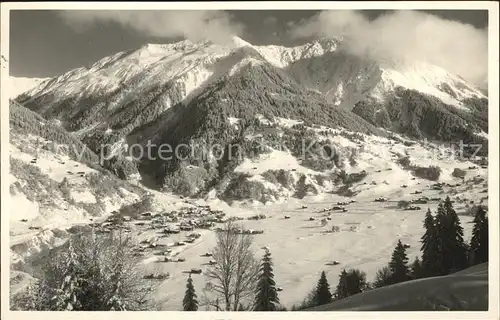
(302, 248)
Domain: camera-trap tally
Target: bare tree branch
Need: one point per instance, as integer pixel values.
(234, 272)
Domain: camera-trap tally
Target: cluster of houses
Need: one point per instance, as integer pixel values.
(240, 230)
(174, 222)
(113, 222)
(339, 207)
(165, 224)
(334, 208)
(185, 219)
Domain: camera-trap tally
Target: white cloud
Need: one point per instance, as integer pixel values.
(406, 35)
(270, 21)
(193, 25)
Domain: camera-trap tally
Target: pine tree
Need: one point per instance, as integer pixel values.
(399, 264)
(66, 297)
(342, 290)
(322, 294)
(416, 269)
(266, 298)
(479, 240)
(350, 282)
(383, 277)
(445, 242)
(430, 248)
(190, 302)
(456, 235)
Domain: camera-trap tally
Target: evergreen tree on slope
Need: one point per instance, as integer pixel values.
(416, 269)
(399, 264)
(66, 297)
(350, 282)
(190, 302)
(342, 291)
(382, 278)
(430, 248)
(266, 298)
(445, 242)
(479, 240)
(322, 294)
(456, 235)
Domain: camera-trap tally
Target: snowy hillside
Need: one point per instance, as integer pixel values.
(57, 183)
(464, 290)
(428, 79)
(18, 85)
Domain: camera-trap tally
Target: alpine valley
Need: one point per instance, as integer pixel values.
(393, 132)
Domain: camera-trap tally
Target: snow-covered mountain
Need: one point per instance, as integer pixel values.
(188, 91)
(192, 63)
(428, 79)
(18, 85)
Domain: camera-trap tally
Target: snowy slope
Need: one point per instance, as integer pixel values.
(469, 286)
(426, 78)
(18, 85)
(281, 56)
(184, 62)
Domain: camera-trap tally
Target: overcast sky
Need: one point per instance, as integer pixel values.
(48, 43)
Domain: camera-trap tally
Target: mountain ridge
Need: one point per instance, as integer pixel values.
(279, 56)
(185, 91)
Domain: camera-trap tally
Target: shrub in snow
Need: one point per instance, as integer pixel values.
(241, 187)
(430, 173)
(36, 185)
(458, 173)
(404, 162)
(304, 188)
(121, 167)
(321, 179)
(186, 180)
(270, 176)
(91, 273)
(134, 210)
(257, 217)
(345, 191)
(403, 204)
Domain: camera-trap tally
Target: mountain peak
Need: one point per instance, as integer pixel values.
(327, 42)
(233, 42)
(238, 42)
